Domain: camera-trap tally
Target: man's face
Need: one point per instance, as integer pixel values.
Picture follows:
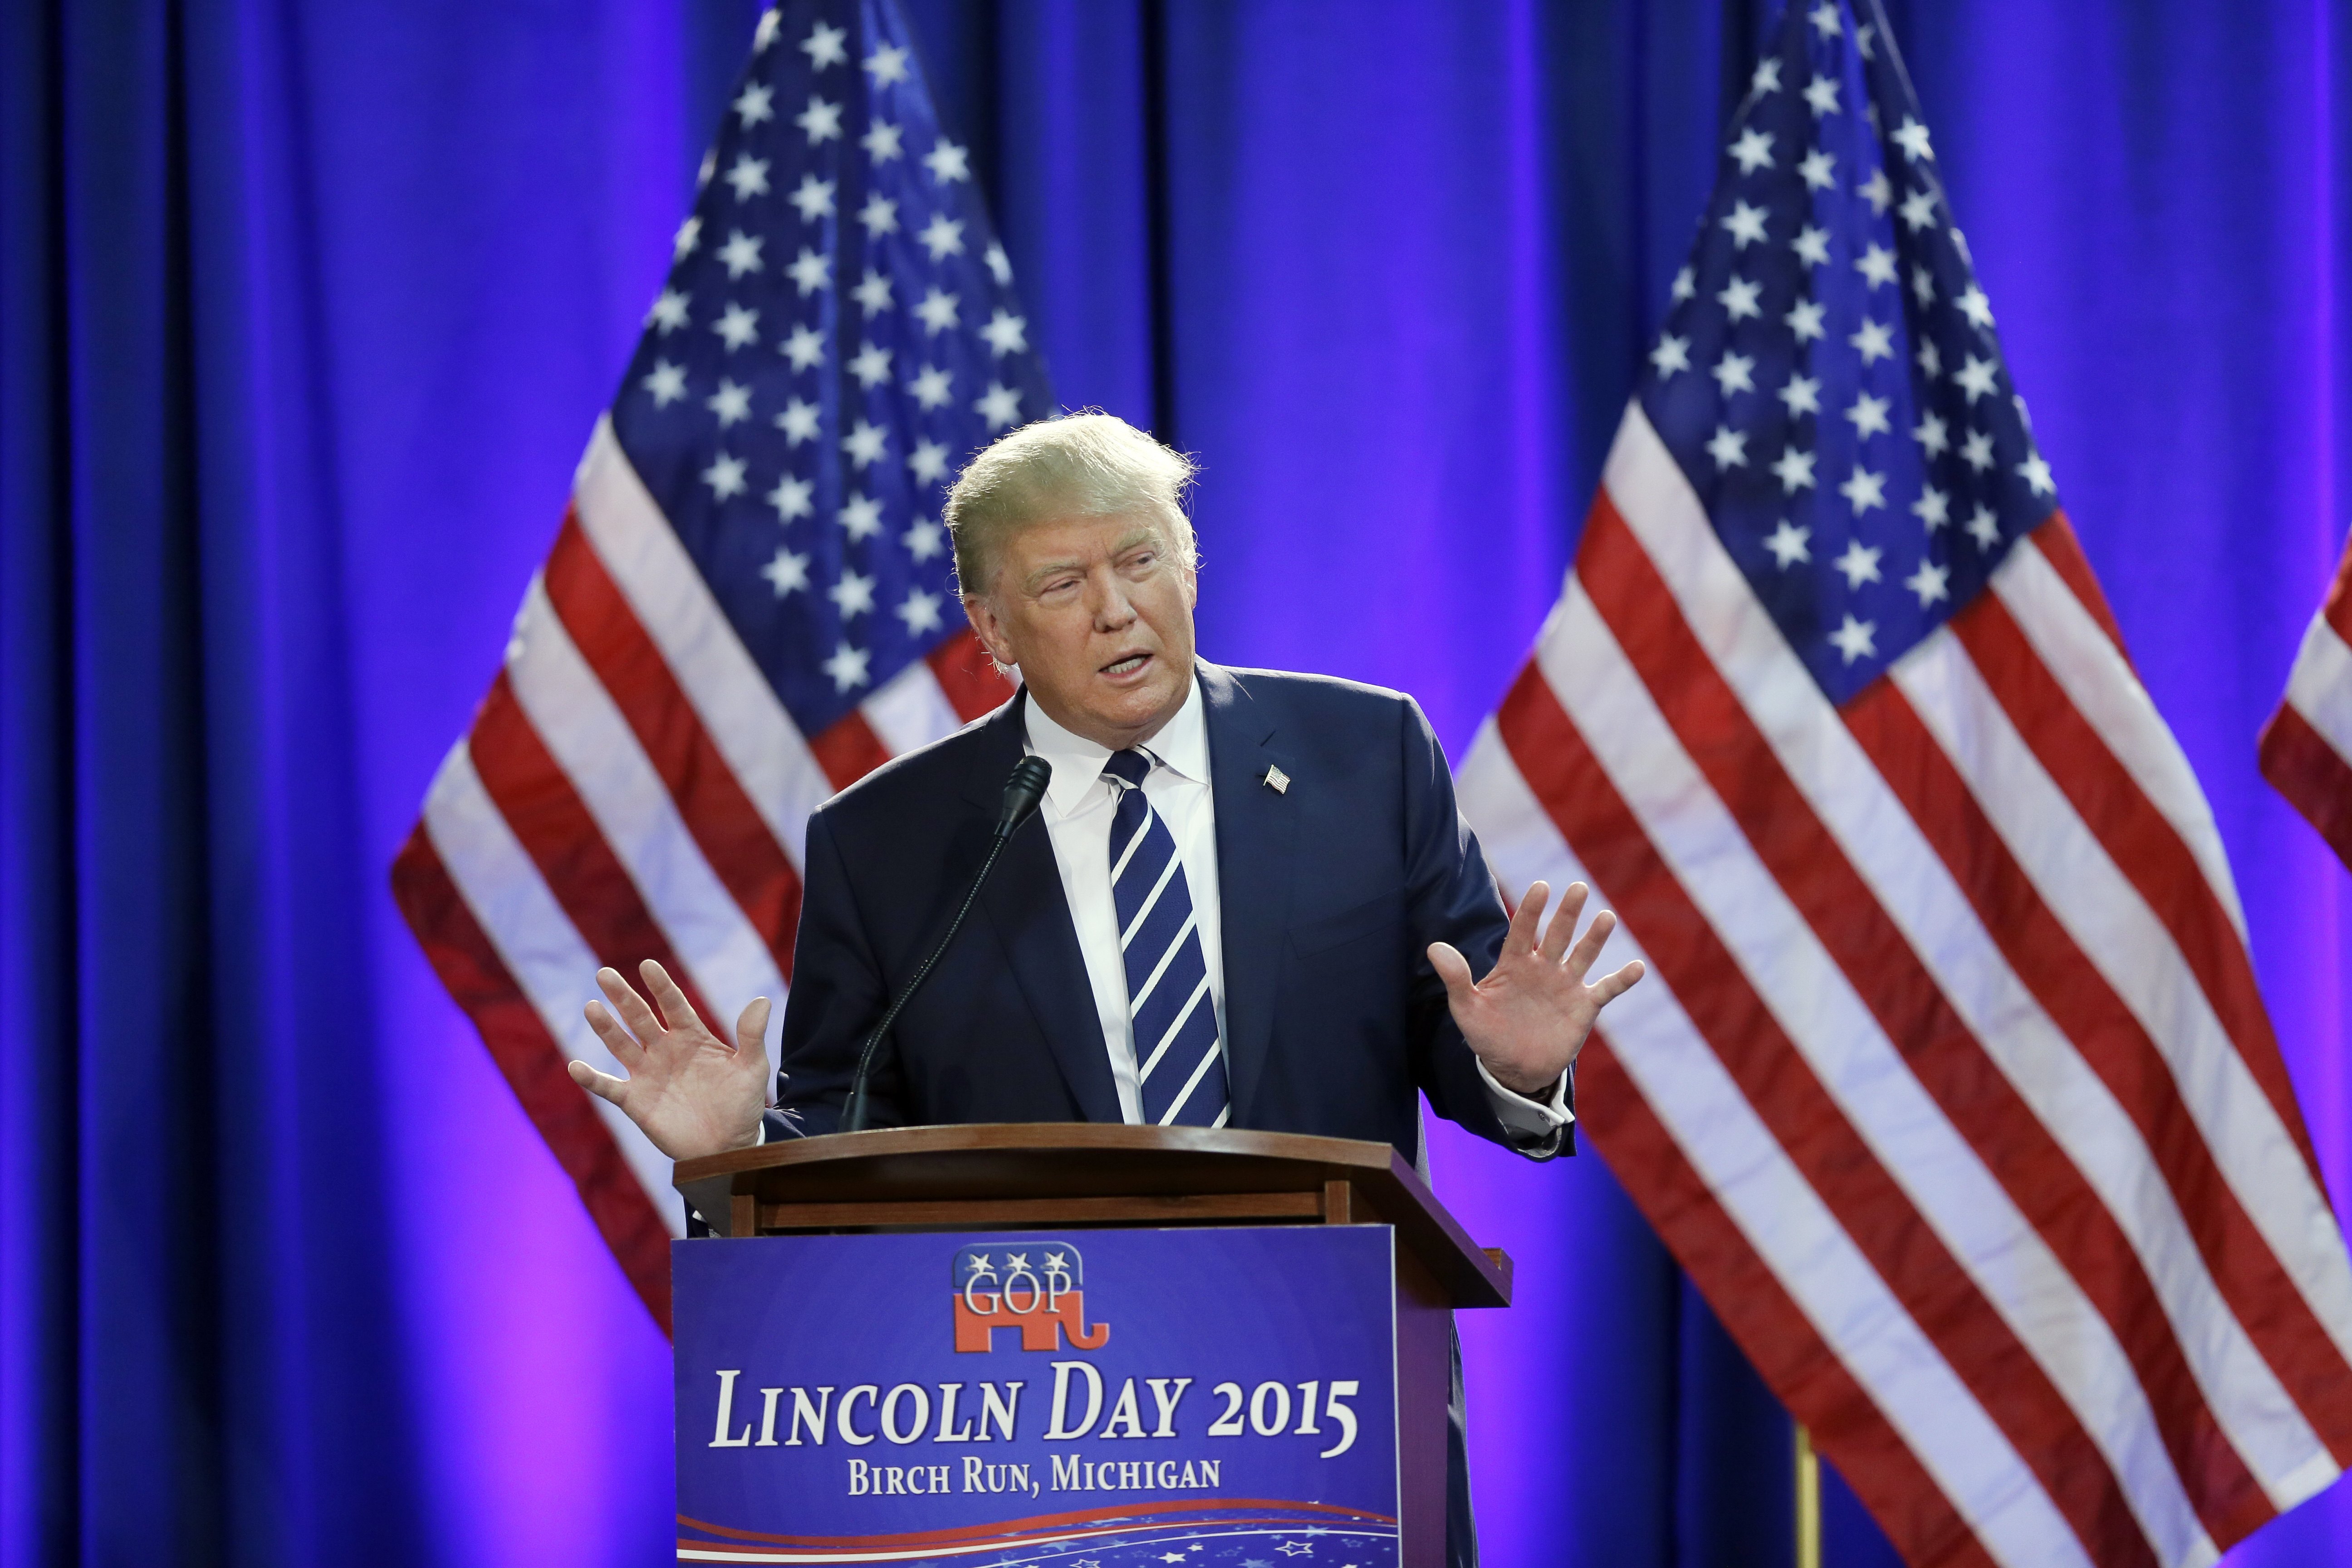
(1098, 612)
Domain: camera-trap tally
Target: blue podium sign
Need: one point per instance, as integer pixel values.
(1095, 1399)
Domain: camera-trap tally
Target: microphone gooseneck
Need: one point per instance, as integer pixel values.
(1022, 792)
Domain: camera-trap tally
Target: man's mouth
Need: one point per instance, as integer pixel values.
(1119, 669)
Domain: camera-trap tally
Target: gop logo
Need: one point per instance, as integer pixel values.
(1035, 1290)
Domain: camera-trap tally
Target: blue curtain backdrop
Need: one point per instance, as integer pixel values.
(306, 309)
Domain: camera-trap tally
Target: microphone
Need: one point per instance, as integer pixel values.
(1023, 791)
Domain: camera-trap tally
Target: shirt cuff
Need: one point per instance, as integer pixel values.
(1525, 1117)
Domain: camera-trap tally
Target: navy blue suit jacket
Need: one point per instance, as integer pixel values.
(1331, 893)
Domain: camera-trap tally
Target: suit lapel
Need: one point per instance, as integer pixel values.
(1254, 826)
(1024, 903)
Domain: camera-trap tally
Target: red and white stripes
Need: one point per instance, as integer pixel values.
(1951, 1088)
(2306, 749)
(632, 788)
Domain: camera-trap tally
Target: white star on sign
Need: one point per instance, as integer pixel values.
(1811, 245)
(1919, 211)
(1766, 78)
(1877, 191)
(923, 540)
(942, 237)
(1745, 225)
(821, 122)
(1930, 359)
(1795, 471)
(1923, 285)
(927, 462)
(1869, 416)
(1753, 151)
(936, 312)
(1876, 265)
(1000, 266)
(847, 666)
(871, 366)
(786, 572)
(813, 198)
(1911, 137)
(798, 422)
(930, 387)
(871, 293)
(737, 326)
(2035, 472)
(1976, 307)
(1728, 447)
(790, 498)
(1739, 297)
(1672, 354)
(1863, 489)
(765, 33)
(920, 611)
(748, 176)
(881, 142)
(1803, 396)
(1933, 434)
(1863, 37)
(860, 517)
(1684, 286)
(1933, 509)
(999, 407)
(1873, 342)
(804, 347)
(1854, 639)
(755, 103)
(824, 47)
(1825, 21)
(1976, 378)
(725, 476)
(864, 443)
(1859, 563)
(666, 383)
(1930, 583)
(879, 215)
(946, 161)
(1960, 244)
(669, 312)
(1822, 96)
(1804, 319)
(853, 593)
(1976, 450)
(1817, 169)
(690, 235)
(810, 271)
(740, 254)
(1787, 543)
(886, 65)
(1005, 334)
(1732, 374)
(1984, 528)
(730, 403)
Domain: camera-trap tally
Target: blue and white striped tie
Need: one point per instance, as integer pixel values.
(1176, 1050)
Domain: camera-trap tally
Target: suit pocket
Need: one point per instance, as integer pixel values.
(1373, 918)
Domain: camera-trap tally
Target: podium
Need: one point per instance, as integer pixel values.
(970, 1344)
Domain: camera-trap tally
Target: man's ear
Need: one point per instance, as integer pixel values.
(989, 627)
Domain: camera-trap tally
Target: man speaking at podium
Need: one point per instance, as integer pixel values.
(1250, 902)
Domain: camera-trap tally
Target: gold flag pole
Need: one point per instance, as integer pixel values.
(1809, 1502)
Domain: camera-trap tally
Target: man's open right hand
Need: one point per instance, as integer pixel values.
(689, 1091)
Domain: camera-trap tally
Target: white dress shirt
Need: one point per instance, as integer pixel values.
(1077, 810)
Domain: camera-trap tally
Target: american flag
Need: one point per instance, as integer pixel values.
(749, 603)
(1951, 1088)
(2306, 747)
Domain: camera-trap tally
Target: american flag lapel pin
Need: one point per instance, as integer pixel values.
(1277, 781)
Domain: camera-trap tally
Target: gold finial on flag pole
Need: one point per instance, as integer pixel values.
(1809, 1502)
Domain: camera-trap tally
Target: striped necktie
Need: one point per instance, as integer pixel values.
(1176, 1050)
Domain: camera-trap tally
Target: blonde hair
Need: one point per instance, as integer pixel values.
(1087, 464)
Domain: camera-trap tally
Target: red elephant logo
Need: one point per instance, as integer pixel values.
(1002, 1288)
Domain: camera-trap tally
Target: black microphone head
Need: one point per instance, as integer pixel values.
(1023, 791)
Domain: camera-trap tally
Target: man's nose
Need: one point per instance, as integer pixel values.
(1113, 610)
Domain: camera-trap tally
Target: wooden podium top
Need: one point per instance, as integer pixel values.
(1051, 1174)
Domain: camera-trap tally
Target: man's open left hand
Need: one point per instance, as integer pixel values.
(1529, 1017)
